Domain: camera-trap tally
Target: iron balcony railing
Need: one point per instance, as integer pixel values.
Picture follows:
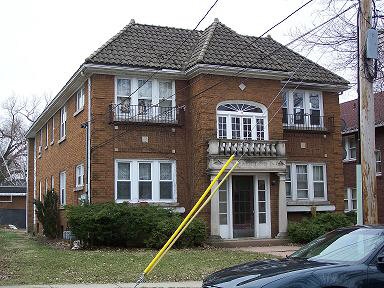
(145, 114)
(301, 121)
(253, 148)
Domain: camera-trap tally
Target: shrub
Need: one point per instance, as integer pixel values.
(47, 213)
(352, 216)
(113, 224)
(194, 235)
(309, 229)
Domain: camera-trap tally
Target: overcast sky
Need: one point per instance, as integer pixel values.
(44, 42)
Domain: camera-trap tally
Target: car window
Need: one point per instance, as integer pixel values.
(348, 245)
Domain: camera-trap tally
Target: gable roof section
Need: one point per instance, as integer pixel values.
(349, 113)
(149, 46)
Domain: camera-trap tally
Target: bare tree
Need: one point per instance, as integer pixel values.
(340, 37)
(16, 116)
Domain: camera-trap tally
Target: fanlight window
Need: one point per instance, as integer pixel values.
(239, 108)
(241, 121)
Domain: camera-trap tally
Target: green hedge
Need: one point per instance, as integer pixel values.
(309, 229)
(112, 224)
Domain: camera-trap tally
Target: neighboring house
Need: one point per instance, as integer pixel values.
(13, 205)
(349, 118)
(216, 95)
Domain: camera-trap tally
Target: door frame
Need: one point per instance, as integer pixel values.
(261, 230)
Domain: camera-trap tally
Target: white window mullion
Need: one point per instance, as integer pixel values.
(294, 182)
(156, 181)
(311, 195)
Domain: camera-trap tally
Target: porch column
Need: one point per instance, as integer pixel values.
(283, 220)
(215, 220)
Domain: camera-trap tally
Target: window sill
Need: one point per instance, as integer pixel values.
(78, 111)
(307, 206)
(61, 139)
(62, 207)
(349, 160)
(378, 174)
(78, 188)
(52, 142)
(39, 156)
(46, 147)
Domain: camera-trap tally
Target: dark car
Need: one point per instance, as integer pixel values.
(347, 257)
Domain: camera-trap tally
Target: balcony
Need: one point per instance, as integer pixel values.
(250, 148)
(146, 114)
(308, 122)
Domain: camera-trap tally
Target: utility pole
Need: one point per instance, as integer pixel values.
(367, 118)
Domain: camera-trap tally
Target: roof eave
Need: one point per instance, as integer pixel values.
(235, 71)
(313, 85)
(60, 99)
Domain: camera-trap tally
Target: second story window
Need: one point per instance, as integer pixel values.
(53, 130)
(63, 122)
(349, 145)
(302, 108)
(145, 97)
(40, 141)
(123, 94)
(242, 120)
(80, 99)
(46, 136)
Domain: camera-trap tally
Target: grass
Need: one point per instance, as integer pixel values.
(24, 260)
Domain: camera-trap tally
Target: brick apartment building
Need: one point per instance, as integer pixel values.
(210, 93)
(349, 115)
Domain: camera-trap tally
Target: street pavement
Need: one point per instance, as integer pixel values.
(188, 284)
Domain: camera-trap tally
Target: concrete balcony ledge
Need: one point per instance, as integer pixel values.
(250, 148)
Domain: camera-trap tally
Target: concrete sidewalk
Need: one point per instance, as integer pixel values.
(188, 284)
(279, 251)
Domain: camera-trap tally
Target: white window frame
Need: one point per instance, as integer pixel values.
(289, 105)
(378, 162)
(79, 173)
(40, 191)
(52, 182)
(80, 96)
(347, 148)
(63, 188)
(40, 142)
(228, 115)
(350, 199)
(46, 135)
(53, 130)
(310, 182)
(155, 179)
(63, 122)
(46, 185)
(156, 98)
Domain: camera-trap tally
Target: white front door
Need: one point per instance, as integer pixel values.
(243, 207)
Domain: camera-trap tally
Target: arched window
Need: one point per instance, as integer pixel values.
(242, 120)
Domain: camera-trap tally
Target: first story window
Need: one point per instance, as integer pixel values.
(306, 181)
(79, 175)
(145, 180)
(378, 162)
(63, 190)
(223, 203)
(350, 199)
(52, 182)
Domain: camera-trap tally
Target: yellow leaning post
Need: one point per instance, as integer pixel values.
(194, 215)
(190, 214)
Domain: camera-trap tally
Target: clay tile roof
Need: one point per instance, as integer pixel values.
(149, 46)
(349, 113)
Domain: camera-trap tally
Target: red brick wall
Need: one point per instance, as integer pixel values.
(18, 202)
(63, 156)
(349, 170)
(322, 148)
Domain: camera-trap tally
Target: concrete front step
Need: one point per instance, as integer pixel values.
(247, 242)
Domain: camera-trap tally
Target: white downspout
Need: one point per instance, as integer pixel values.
(34, 183)
(89, 143)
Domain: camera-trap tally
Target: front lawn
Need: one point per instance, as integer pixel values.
(23, 260)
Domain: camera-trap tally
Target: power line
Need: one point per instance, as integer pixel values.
(249, 44)
(241, 71)
(173, 53)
